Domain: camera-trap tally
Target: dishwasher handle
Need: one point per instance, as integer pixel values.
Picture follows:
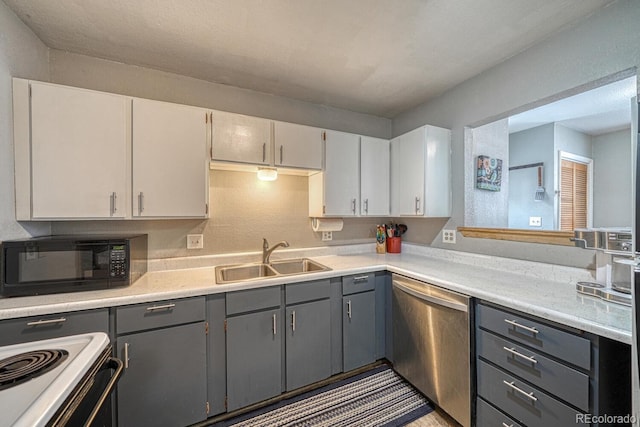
(429, 298)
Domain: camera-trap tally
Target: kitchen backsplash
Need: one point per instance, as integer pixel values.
(243, 210)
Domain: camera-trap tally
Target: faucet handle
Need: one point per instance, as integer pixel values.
(265, 244)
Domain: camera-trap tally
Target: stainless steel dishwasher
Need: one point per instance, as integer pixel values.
(431, 344)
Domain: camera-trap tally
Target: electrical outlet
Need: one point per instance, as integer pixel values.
(327, 235)
(195, 241)
(535, 221)
(448, 236)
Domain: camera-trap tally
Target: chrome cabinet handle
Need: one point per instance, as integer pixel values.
(518, 354)
(519, 390)
(293, 321)
(141, 202)
(264, 152)
(353, 206)
(161, 307)
(366, 206)
(47, 321)
(114, 200)
(349, 309)
(507, 425)
(126, 355)
(417, 205)
(281, 150)
(518, 325)
(274, 325)
(360, 279)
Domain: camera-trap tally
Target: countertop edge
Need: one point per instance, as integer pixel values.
(193, 287)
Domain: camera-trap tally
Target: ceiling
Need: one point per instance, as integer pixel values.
(378, 57)
(598, 111)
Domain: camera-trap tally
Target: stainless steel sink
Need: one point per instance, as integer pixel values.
(297, 266)
(245, 272)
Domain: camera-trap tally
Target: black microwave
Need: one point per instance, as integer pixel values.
(53, 264)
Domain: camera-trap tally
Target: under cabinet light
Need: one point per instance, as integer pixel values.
(267, 174)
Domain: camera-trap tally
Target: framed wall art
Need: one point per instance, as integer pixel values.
(488, 173)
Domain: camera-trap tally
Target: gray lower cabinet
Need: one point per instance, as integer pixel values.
(254, 357)
(358, 329)
(308, 333)
(531, 372)
(255, 345)
(164, 350)
(216, 354)
(36, 328)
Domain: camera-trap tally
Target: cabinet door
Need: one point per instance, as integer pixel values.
(410, 172)
(297, 146)
(78, 153)
(165, 383)
(374, 176)
(342, 174)
(170, 163)
(254, 358)
(438, 173)
(242, 139)
(308, 343)
(358, 330)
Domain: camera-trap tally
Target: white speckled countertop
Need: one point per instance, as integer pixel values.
(543, 290)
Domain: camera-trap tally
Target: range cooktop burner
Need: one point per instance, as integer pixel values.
(22, 367)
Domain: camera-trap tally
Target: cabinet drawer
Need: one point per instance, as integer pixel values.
(309, 291)
(26, 329)
(488, 416)
(358, 283)
(159, 314)
(253, 299)
(550, 340)
(556, 378)
(521, 401)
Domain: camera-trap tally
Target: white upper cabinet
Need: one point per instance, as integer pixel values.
(170, 162)
(421, 173)
(71, 152)
(241, 139)
(336, 191)
(297, 146)
(374, 176)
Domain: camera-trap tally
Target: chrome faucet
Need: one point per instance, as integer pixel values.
(266, 250)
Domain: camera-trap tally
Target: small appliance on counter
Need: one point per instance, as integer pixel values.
(615, 262)
(69, 263)
(58, 382)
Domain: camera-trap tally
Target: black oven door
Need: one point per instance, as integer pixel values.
(90, 403)
(47, 266)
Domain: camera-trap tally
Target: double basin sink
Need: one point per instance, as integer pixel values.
(245, 272)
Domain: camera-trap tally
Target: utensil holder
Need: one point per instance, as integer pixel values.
(394, 245)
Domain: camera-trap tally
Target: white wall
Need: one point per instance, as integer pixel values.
(531, 146)
(606, 43)
(612, 195)
(572, 141)
(110, 76)
(21, 53)
(489, 208)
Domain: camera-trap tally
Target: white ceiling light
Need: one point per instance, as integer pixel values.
(267, 174)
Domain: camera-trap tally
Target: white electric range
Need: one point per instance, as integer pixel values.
(56, 382)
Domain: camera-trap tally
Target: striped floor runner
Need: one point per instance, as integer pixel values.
(378, 397)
